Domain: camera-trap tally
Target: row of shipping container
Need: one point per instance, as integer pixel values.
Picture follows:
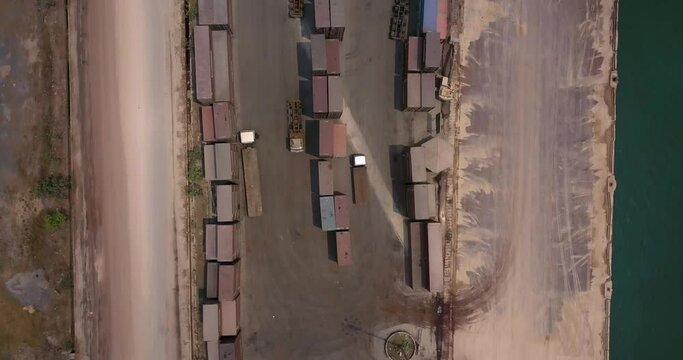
(423, 54)
(420, 92)
(334, 210)
(213, 65)
(330, 17)
(435, 17)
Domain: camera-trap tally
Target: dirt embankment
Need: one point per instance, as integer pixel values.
(35, 257)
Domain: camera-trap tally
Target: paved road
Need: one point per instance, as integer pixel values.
(533, 170)
(128, 160)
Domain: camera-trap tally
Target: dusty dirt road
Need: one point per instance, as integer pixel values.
(533, 210)
(127, 183)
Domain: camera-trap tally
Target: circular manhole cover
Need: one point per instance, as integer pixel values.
(400, 346)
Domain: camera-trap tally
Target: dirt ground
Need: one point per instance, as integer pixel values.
(35, 261)
(533, 197)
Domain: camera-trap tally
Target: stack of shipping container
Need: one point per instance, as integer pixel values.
(214, 91)
(330, 18)
(327, 81)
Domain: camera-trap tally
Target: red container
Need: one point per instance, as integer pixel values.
(418, 256)
(202, 65)
(222, 120)
(230, 317)
(228, 281)
(210, 238)
(442, 19)
(320, 96)
(325, 138)
(333, 49)
(322, 14)
(208, 131)
(413, 54)
(343, 239)
(435, 257)
(339, 145)
(342, 216)
(432, 52)
(227, 242)
(325, 178)
(222, 66)
(336, 99)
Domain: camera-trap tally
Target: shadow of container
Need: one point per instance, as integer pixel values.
(332, 246)
(397, 171)
(399, 74)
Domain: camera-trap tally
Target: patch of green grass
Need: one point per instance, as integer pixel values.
(54, 220)
(53, 186)
(17, 327)
(194, 172)
(67, 282)
(192, 10)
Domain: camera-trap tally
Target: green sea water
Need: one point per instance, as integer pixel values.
(647, 304)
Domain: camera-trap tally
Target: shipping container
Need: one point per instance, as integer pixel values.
(229, 349)
(208, 130)
(202, 65)
(320, 96)
(211, 280)
(228, 281)
(209, 162)
(333, 51)
(435, 256)
(222, 69)
(431, 60)
(210, 248)
(429, 15)
(227, 242)
(421, 201)
(412, 92)
(343, 240)
(360, 184)
(252, 182)
(230, 317)
(413, 54)
(321, 8)
(337, 19)
(415, 165)
(224, 161)
(427, 91)
(327, 221)
(223, 120)
(318, 54)
(324, 178)
(226, 207)
(210, 322)
(339, 138)
(342, 216)
(418, 255)
(442, 19)
(212, 350)
(336, 98)
(214, 12)
(325, 138)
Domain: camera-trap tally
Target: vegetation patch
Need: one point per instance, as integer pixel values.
(53, 186)
(194, 172)
(54, 220)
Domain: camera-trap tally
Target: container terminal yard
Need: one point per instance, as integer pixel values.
(341, 179)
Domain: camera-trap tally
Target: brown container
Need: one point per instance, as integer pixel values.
(321, 9)
(343, 240)
(318, 54)
(211, 280)
(333, 47)
(212, 350)
(418, 255)
(224, 161)
(415, 165)
(412, 92)
(413, 54)
(435, 257)
(325, 138)
(214, 12)
(222, 69)
(223, 120)
(210, 247)
(229, 349)
(230, 317)
(427, 91)
(360, 184)
(432, 52)
(335, 98)
(210, 322)
(325, 178)
(342, 216)
(202, 65)
(320, 96)
(228, 244)
(339, 146)
(209, 162)
(228, 281)
(208, 131)
(225, 202)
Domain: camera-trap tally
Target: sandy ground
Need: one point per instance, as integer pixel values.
(127, 183)
(534, 129)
